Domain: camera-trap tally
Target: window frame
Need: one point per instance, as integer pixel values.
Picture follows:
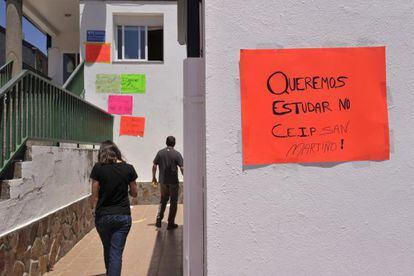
(123, 44)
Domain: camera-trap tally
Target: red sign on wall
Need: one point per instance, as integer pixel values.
(132, 126)
(98, 52)
(314, 105)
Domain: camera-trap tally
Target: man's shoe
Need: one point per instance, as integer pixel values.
(158, 223)
(172, 226)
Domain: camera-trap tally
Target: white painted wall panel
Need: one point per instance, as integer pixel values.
(347, 219)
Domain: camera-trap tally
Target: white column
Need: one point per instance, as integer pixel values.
(194, 166)
(14, 35)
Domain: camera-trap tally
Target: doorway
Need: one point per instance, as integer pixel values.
(70, 62)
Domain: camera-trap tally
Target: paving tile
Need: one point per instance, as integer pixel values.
(147, 252)
(67, 273)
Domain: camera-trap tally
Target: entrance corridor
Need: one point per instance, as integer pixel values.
(147, 252)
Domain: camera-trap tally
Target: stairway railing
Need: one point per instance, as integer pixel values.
(34, 70)
(75, 82)
(6, 73)
(32, 107)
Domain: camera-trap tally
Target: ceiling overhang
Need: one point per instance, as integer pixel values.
(53, 17)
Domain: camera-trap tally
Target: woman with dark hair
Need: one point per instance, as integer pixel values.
(111, 178)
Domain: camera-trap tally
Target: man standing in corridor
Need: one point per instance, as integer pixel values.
(168, 160)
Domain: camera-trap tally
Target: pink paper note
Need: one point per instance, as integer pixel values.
(121, 105)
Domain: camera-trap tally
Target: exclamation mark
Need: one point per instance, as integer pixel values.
(342, 144)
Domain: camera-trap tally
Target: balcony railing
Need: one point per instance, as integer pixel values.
(6, 73)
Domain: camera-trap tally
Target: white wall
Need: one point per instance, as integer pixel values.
(65, 42)
(162, 103)
(354, 218)
(54, 178)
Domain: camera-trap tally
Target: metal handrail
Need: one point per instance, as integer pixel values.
(34, 70)
(6, 72)
(31, 107)
(75, 82)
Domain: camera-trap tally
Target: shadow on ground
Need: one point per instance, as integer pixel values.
(167, 254)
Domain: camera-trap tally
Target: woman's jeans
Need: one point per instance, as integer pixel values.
(113, 230)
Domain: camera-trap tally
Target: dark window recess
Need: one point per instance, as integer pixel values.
(48, 41)
(193, 29)
(156, 44)
(119, 42)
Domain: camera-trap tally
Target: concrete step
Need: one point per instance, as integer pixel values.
(17, 169)
(30, 143)
(10, 188)
(4, 190)
(21, 181)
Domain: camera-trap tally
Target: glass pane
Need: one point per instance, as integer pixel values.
(119, 42)
(131, 42)
(142, 46)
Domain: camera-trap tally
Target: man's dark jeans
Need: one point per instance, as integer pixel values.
(168, 192)
(113, 231)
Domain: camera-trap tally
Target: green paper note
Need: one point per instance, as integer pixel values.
(133, 83)
(108, 83)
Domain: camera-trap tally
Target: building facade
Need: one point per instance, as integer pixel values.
(160, 61)
(147, 46)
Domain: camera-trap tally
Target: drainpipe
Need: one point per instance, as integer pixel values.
(14, 34)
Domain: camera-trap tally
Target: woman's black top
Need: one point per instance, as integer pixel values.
(113, 181)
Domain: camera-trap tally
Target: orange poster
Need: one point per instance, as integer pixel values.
(314, 105)
(98, 52)
(132, 126)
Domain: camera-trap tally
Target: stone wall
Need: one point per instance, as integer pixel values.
(149, 194)
(35, 248)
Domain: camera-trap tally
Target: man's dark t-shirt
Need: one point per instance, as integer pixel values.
(113, 181)
(168, 159)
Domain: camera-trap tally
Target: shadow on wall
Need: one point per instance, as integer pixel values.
(93, 17)
(326, 165)
(319, 165)
(167, 256)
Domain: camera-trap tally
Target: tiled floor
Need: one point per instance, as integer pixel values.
(147, 251)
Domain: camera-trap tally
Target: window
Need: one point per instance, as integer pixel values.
(132, 43)
(139, 43)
